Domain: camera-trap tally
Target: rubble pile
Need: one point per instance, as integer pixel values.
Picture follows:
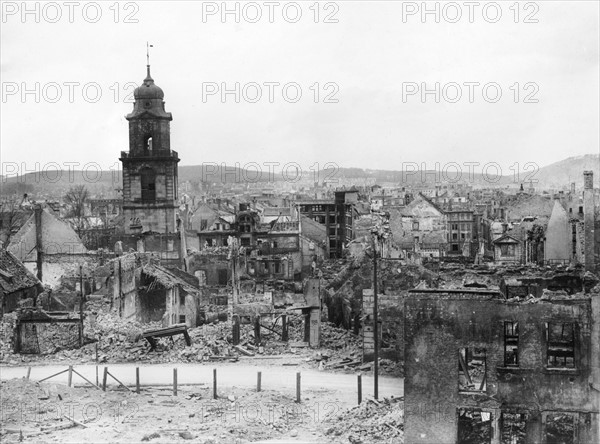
(336, 338)
(370, 421)
(7, 327)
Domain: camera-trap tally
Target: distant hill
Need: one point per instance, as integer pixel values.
(556, 175)
(569, 170)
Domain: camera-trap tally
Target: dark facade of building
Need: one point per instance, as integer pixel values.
(480, 369)
(338, 217)
(460, 232)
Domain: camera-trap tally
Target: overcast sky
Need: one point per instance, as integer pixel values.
(372, 56)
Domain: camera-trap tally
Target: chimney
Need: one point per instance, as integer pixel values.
(588, 219)
(38, 239)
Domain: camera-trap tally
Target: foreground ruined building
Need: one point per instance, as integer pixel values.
(480, 368)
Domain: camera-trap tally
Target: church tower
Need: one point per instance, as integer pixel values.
(150, 166)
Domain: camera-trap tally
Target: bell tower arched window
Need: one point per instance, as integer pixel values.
(148, 182)
(148, 143)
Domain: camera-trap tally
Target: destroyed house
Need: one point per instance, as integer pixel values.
(153, 293)
(481, 369)
(16, 283)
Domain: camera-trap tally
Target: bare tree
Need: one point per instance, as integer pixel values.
(10, 220)
(76, 198)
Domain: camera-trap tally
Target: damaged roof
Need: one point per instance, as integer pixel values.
(170, 278)
(14, 276)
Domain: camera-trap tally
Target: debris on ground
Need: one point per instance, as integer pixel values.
(370, 421)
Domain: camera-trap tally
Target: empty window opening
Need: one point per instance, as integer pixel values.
(560, 339)
(507, 249)
(472, 370)
(148, 183)
(511, 344)
(201, 275)
(222, 276)
(513, 428)
(560, 428)
(148, 143)
(474, 426)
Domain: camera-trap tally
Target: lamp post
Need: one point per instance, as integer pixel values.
(380, 231)
(375, 326)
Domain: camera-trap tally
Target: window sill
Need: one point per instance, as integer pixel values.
(561, 371)
(473, 393)
(513, 369)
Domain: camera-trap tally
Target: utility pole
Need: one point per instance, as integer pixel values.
(375, 326)
(81, 304)
(234, 275)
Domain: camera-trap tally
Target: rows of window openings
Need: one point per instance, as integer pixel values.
(560, 354)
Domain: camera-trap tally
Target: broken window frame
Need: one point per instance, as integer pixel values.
(467, 355)
(518, 417)
(546, 430)
(563, 348)
(511, 339)
(463, 436)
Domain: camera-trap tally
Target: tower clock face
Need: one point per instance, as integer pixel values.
(147, 127)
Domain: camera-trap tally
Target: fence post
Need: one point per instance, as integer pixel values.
(137, 380)
(214, 383)
(359, 380)
(174, 382)
(104, 378)
(298, 387)
(70, 375)
(258, 381)
(28, 372)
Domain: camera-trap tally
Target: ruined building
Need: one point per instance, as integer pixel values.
(483, 369)
(588, 219)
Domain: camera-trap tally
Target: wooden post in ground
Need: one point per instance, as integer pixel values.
(284, 328)
(28, 372)
(236, 330)
(97, 363)
(137, 380)
(258, 381)
(359, 380)
(298, 387)
(70, 380)
(174, 382)
(104, 378)
(214, 383)
(257, 330)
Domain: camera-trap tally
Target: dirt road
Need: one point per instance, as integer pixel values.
(239, 415)
(242, 375)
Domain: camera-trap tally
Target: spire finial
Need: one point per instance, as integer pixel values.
(148, 46)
